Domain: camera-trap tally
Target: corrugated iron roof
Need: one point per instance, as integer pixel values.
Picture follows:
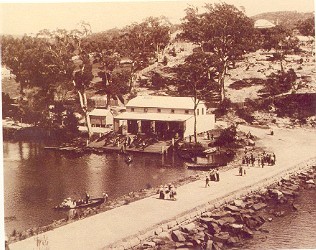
(153, 116)
(100, 112)
(171, 102)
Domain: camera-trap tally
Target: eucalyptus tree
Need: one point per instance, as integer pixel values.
(143, 41)
(196, 79)
(222, 30)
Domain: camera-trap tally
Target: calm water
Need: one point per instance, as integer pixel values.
(296, 230)
(36, 180)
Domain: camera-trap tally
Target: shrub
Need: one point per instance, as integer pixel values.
(227, 136)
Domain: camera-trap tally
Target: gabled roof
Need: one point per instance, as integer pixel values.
(171, 102)
(153, 117)
(100, 112)
(263, 24)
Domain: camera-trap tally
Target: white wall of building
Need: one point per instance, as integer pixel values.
(203, 124)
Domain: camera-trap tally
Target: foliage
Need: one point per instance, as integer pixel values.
(227, 136)
(307, 27)
(157, 80)
(280, 82)
(245, 113)
(6, 105)
(223, 108)
(223, 30)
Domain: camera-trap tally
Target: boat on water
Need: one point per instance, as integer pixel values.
(210, 150)
(202, 166)
(80, 204)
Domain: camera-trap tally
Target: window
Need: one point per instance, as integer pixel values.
(145, 110)
(186, 111)
(159, 110)
(202, 111)
(172, 111)
(132, 109)
(197, 112)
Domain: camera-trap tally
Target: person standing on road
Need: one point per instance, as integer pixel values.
(217, 174)
(207, 182)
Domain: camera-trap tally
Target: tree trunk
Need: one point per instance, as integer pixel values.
(221, 81)
(83, 105)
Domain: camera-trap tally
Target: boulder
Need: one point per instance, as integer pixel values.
(239, 203)
(209, 245)
(259, 206)
(233, 241)
(310, 181)
(149, 244)
(221, 237)
(232, 208)
(186, 245)
(178, 236)
(220, 214)
(206, 220)
(189, 228)
(213, 228)
(288, 192)
(246, 232)
(217, 246)
(226, 220)
(276, 193)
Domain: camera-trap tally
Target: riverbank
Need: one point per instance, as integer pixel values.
(291, 147)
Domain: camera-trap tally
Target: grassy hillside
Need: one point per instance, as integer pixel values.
(285, 18)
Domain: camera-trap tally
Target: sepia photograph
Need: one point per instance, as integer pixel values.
(158, 125)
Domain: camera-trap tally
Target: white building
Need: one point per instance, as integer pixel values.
(101, 117)
(165, 116)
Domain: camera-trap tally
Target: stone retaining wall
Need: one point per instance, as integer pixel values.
(190, 216)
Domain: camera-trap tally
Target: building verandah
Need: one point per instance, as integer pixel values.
(162, 126)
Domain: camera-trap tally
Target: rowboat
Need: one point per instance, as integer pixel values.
(210, 150)
(91, 203)
(202, 166)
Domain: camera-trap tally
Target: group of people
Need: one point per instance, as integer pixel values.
(167, 190)
(261, 159)
(212, 176)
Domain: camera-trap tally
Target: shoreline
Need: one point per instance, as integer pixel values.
(182, 215)
(234, 220)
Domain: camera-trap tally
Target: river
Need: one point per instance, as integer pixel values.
(296, 230)
(36, 180)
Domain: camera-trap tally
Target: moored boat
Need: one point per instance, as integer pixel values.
(202, 166)
(81, 204)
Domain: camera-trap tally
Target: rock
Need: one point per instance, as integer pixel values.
(209, 245)
(246, 232)
(232, 208)
(236, 226)
(239, 203)
(259, 206)
(288, 193)
(178, 236)
(233, 241)
(310, 182)
(254, 222)
(213, 228)
(269, 219)
(217, 246)
(277, 193)
(206, 220)
(221, 237)
(226, 220)
(189, 228)
(149, 244)
(220, 214)
(188, 245)
(159, 242)
(295, 206)
(164, 236)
